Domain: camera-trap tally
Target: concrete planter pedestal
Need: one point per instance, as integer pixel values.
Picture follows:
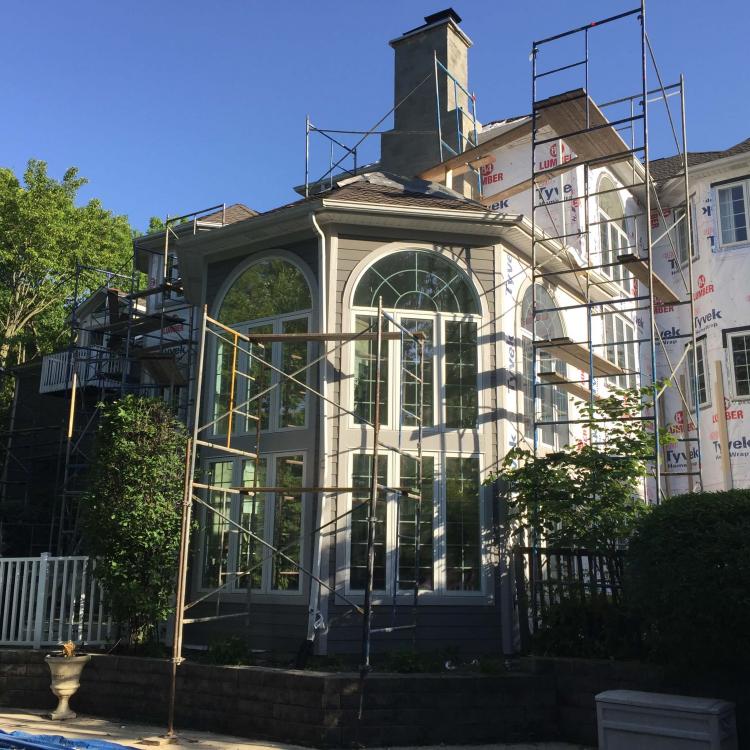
(66, 679)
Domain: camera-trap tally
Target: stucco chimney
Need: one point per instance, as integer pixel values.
(402, 151)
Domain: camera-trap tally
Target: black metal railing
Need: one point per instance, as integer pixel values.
(546, 576)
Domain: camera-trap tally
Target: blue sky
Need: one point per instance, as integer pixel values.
(171, 106)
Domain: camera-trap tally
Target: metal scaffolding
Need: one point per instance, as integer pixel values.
(245, 352)
(133, 334)
(611, 277)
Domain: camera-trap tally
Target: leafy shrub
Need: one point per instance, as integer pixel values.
(584, 495)
(131, 513)
(688, 574)
(592, 627)
(232, 650)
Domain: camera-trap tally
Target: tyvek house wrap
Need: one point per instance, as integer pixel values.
(721, 299)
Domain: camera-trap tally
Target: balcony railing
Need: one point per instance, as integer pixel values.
(96, 366)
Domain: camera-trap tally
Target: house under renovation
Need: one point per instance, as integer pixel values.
(353, 365)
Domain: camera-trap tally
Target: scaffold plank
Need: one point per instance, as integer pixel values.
(577, 354)
(574, 389)
(639, 268)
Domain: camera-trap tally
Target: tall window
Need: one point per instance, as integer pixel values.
(739, 351)
(619, 336)
(239, 558)
(733, 212)
(551, 401)
(613, 237)
(361, 480)
(432, 296)
(428, 525)
(682, 237)
(703, 390)
(449, 489)
(271, 296)
(463, 549)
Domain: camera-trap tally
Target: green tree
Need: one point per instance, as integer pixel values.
(587, 494)
(131, 513)
(43, 235)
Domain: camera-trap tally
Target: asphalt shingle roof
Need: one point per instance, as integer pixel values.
(391, 190)
(671, 166)
(234, 213)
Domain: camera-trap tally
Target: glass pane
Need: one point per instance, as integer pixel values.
(528, 388)
(462, 530)
(461, 370)
(287, 523)
(252, 516)
(732, 214)
(680, 235)
(267, 288)
(702, 384)
(364, 373)
(609, 199)
(408, 510)
(605, 248)
(293, 357)
(215, 528)
(416, 280)
(547, 322)
(741, 364)
(222, 384)
(410, 386)
(361, 479)
(560, 400)
(260, 379)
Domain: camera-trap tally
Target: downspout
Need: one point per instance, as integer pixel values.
(312, 610)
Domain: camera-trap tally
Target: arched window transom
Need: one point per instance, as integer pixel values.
(416, 280)
(266, 289)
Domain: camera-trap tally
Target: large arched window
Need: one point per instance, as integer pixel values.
(551, 401)
(613, 236)
(429, 293)
(270, 296)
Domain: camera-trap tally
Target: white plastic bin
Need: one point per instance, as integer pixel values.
(629, 719)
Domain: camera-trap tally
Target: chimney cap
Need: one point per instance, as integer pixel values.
(434, 20)
(443, 15)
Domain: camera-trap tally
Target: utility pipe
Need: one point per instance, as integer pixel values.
(323, 463)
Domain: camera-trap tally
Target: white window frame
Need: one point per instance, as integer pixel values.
(393, 383)
(745, 185)
(731, 335)
(274, 421)
(265, 592)
(615, 273)
(681, 236)
(702, 356)
(631, 364)
(527, 335)
(439, 594)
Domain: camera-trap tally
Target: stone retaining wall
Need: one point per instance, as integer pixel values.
(311, 708)
(547, 699)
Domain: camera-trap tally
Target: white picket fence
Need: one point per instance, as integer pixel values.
(47, 600)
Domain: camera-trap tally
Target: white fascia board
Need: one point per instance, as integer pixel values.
(445, 213)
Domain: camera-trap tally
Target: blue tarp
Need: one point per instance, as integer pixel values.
(24, 741)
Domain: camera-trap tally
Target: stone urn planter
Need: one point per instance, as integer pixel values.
(66, 679)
